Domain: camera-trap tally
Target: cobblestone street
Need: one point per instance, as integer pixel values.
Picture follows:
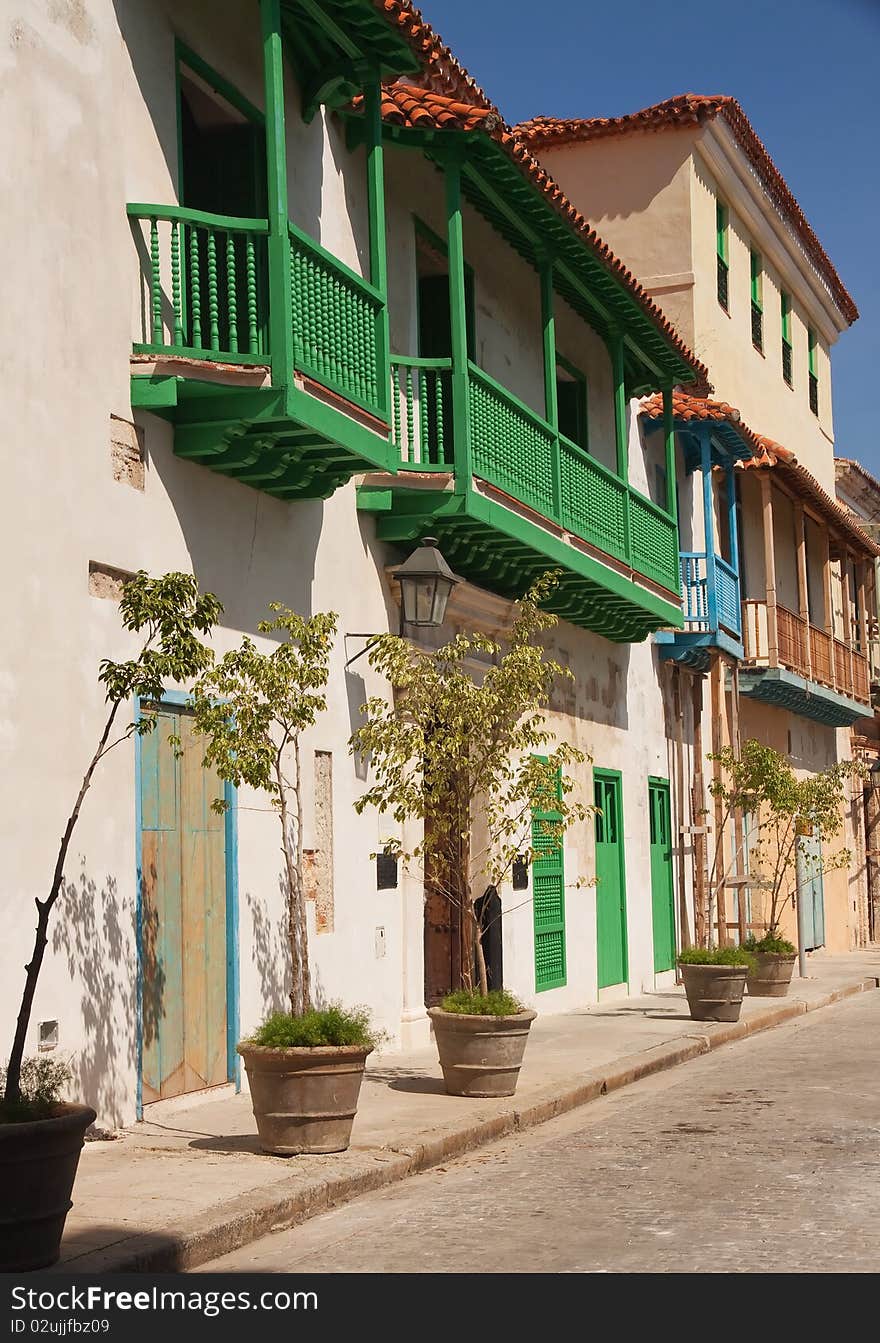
(763, 1156)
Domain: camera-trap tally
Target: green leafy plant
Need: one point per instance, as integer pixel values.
(333, 1025)
(167, 614)
(495, 1003)
(41, 1081)
(252, 709)
(769, 945)
(761, 785)
(715, 956)
(463, 746)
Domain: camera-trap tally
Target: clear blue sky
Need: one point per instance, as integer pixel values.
(807, 73)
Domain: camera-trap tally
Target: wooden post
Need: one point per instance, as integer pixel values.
(551, 399)
(281, 347)
(847, 618)
(705, 434)
(829, 604)
(617, 373)
(800, 537)
(731, 519)
(862, 612)
(872, 858)
(678, 714)
(698, 818)
(769, 569)
(738, 831)
(458, 324)
(669, 444)
(376, 212)
(716, 690)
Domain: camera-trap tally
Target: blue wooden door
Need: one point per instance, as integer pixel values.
(183, 915)
(812, 892)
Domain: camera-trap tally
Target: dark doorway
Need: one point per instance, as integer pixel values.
(488, 912)
(222, 151)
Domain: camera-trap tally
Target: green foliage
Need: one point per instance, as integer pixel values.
(769, 945)
(715, 956)
(495, 1003)
(42, 1081)
(463, 744)
(762, 784)
(333, 1025)
(169, 613)
(251, 707)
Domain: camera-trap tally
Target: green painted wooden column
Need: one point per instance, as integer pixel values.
(458, 324)
(281, 345)
(551, 399)
(669, 442)
(376, 210)
(617, 373)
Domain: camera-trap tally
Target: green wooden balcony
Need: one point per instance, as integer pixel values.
(510, 497)
(206, 316)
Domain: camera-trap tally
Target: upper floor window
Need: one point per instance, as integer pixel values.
(721, 253)
(757, 305)
(786, 336)
(813, 378)
(571, 401)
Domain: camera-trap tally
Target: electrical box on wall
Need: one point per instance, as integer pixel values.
(380, 943)
(48, 1035)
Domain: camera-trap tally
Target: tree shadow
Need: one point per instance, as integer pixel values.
(269, 953)
(95, 934)
(400, 1079)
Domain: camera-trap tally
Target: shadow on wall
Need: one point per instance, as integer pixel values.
(598, 692)
(95, 932)
(247, 547)
(271, 957)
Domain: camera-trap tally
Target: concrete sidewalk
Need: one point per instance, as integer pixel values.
(186, 1187)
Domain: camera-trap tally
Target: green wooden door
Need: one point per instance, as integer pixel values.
(662, 899)
(183, 918)
(548, 901)
(812, 889)
(610, 879)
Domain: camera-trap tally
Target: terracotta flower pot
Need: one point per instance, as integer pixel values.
(714, 992)
(304, 1100)
(771, 977)
(480, 1056)
(38, 1162)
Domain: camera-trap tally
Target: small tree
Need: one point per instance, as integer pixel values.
(459, 746)
(168, 613)
(252, 708)
(762, 785)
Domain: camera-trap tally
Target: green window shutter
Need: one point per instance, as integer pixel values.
(721, 254)
(785, 307)
(813, 376)
(755, 267)
(811, 350)
(548, 902)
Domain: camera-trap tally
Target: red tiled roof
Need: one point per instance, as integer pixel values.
(767, 454)
(442, 72)
(406, 104)
(693, 109)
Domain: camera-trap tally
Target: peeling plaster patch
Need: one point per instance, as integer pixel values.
(127, 452)
(73, 15)
(107, 582)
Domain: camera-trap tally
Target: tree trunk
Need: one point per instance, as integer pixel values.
(12, 1091)
(296, 981)
(302, 917)
(481, 960)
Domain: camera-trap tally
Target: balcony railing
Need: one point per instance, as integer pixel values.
(205, 294)
(696, 569)
(806, 650)
(514, 449)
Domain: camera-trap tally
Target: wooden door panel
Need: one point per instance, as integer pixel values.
(610, 889)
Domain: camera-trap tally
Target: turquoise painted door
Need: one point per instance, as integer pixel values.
(548, 901)
(183, 919)
(809, 872)
(610, 879)
(662, 899)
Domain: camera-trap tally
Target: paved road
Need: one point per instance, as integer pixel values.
(762, 1156)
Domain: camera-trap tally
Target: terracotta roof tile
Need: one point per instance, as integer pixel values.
(443, 73)
(693, 109)
(767, 454)
(407, 104)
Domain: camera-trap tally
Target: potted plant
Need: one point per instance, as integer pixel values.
(304, 1067)
(41, 1136)
(481, 1039)
(463, 747)
(781, 807)
(714, 981)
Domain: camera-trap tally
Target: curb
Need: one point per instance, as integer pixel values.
(290, 1201)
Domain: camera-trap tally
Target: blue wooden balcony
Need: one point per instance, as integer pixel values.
(710, 594)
